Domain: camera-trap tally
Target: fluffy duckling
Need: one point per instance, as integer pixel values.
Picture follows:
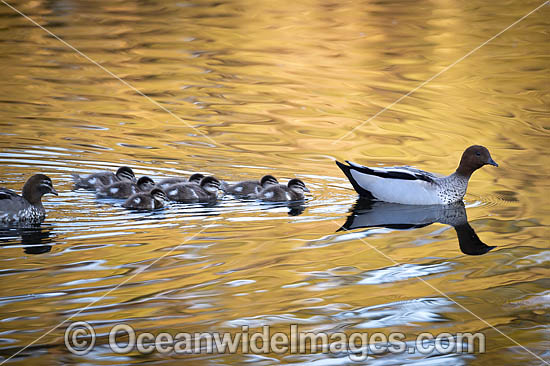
(293, 191)
(195, 178)
(185, 192)
(28, 207)
(126, 188)
(152, 200)
(250, 187)
(96, 180)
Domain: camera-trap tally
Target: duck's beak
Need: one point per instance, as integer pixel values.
(492, 162)
(53, 191)
(306, 189)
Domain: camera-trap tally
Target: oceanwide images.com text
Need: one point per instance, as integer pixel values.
(80, 338)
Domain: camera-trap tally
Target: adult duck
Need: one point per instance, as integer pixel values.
(28, 207)
(412, 186)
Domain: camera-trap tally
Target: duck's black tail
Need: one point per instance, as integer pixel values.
(347, 171)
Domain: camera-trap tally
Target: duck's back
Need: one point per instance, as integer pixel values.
(184, 192)
(11, 201)
(165, 183)
(245, 188)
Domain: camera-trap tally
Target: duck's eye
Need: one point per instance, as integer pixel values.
(478, 153)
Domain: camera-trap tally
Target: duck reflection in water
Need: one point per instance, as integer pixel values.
(295, 208)
(33, 237)
(368, 213)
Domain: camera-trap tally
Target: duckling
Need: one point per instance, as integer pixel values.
(293, 191)
(152, 200)
(195, 178)
(185, 192)
(28, 207)
(250, 187)
(126, 188)
(100, 179)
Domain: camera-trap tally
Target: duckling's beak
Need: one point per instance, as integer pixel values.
(53, 191)
(306, 189)
(492, 162)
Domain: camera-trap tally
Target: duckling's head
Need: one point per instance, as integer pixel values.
(37, 186)
(211, 184)
(145, 183)
(268, 180)
(125, 173)
(297, 184)
(159, 195)
(474, 158)
(196, 178)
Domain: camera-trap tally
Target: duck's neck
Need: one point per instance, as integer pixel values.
(457, 175)
(464, 172)
(33, 197)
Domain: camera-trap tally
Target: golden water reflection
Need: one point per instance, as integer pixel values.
(274, 85)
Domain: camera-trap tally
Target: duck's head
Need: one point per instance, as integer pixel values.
(126, 173)
(297, 184)
(37, 186)
(145, 183)
(196, 178)
(211, 184)
(474, 158)
(159, 195)
(268, 180)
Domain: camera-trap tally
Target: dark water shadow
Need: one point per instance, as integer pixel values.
(35, 238)
(368, 213)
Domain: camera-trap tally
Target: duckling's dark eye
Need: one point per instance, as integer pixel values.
(478, 153)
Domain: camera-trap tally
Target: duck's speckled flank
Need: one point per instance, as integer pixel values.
(28, 214)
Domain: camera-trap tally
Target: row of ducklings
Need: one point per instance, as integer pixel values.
(144, 193)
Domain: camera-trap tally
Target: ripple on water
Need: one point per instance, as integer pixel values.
(403, 272)
(409, 313)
